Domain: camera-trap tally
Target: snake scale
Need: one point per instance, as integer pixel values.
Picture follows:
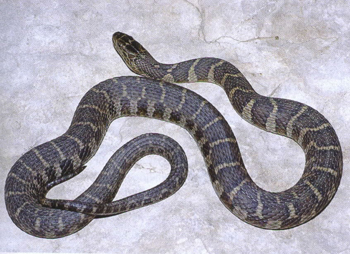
(154, 96)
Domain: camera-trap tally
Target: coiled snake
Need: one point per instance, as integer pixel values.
(51, 163)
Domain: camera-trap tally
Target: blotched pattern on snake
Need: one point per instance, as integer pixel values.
(154, 96)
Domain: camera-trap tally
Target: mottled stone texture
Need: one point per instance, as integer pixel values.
(52, 52)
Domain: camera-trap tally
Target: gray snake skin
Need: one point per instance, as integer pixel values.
(154, 96)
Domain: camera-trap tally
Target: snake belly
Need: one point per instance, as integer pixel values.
(60, 159)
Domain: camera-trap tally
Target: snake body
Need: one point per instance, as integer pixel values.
(153, 96)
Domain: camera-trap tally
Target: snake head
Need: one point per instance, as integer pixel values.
(133, 53)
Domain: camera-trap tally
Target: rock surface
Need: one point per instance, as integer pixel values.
(51, 54)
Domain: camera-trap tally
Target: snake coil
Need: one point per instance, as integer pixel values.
(154, 96)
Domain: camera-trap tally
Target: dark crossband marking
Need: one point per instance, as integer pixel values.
(325, 169)
(19, 209)
(43, 161)
(293, 119)
(96, 199)
(234, 192)
(58, 150)
(93, 107)
(306, 130)
(105, 94)
(18, 179)
(183, 100)
(199, 110)
(320, 148)
(91, 125)
(78, 141)
(211, 73)
(232, 92)
(234, 75)
(32, 171)
(315, 190)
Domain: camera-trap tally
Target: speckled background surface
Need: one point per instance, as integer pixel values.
(51, 53)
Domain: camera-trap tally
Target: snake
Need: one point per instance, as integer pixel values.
(153, 94)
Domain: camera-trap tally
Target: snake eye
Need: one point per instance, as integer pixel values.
(131, 49)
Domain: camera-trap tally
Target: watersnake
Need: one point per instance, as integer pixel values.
(155, 96)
